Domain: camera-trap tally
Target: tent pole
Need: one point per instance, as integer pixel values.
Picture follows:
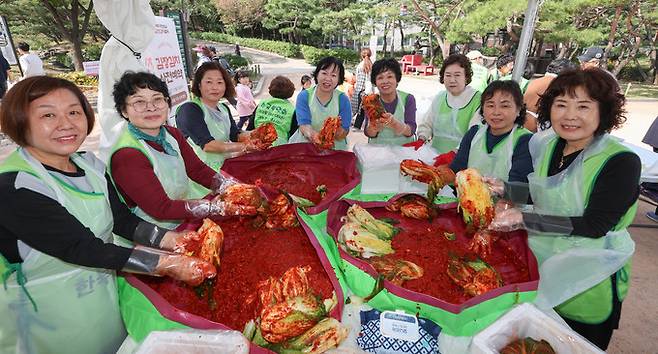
(525, 40)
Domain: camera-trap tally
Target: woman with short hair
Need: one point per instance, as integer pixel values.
(58, 215)
(398, 124)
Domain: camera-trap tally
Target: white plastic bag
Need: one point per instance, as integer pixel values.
(528, 321)
(194, 342)
(380, 168)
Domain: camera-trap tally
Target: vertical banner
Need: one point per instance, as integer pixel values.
(6, 43)
(163, 58)
(177, 16)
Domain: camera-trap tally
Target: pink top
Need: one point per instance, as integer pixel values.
(246, 104)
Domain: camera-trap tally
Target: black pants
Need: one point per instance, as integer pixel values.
(3, 88)
(360, 115)
(244, 120)
(601, 333)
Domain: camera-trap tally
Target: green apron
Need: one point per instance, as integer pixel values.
(387, 135)
(523, 84)
(278, 112)
(499, 162)
(575, 272)
(77, 307)
(480, 77)
(169, 169)
(220, 130)
(450, 124)
(319, 114)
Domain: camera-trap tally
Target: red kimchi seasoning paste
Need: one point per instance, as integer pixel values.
(301, 178)
(432, 244)
(248, 256)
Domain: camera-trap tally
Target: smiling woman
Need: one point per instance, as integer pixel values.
(57, 219)
(152, 165)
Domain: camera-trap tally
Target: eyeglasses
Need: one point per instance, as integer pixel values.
(141, 105)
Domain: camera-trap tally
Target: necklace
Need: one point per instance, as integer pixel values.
(561, 162)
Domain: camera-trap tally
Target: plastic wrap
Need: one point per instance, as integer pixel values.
(194, 341)
(380, 168)
(527, 321)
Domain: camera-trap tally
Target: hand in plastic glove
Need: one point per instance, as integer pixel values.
(507, 220)
(221, 181)
(192, 271)
(415, 144)
(496, 186)
(445, 159)
(238, 199)
(482, 242)
(176, 241)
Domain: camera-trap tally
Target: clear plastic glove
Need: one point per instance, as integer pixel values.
(234, 204)
(176, 241)
(221, 181)
(507, 220)
(496, 186)
(415, 144)
(482, 242)
(190, 270)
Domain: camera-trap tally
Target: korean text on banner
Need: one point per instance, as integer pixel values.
(162, 57)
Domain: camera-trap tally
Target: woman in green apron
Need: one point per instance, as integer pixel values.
(277, 110)
(321, 101)
(152, 165)
(453, 110)
(499, 147)
(57, 219)
(398, 124)
(207, 123)
(584, 190)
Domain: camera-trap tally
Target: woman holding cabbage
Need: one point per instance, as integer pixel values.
(584, 190)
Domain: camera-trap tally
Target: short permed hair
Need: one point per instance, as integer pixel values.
(281, 87)
(15, 108)
(130, 82)
(460, 59)
(201, 72)
(511, 87)
(599, 85)
(328, 62)
(383, 65)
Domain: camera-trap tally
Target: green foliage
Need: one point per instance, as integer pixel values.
(282, 48)
(291, 17)
(63, 59)
(490, 51)
(235, 61)
(312, 55)
(92, 52)
(80, 78)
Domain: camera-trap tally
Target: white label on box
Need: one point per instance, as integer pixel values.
(399, 325)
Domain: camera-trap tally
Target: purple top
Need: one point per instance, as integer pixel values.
(409, 111)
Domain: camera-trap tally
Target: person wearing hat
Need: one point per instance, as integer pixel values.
(504, 69)
(592, 58)
(480, 72)
(203, 53)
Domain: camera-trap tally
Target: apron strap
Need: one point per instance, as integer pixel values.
(10, 268)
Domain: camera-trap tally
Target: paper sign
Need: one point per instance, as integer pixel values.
(399, 325)
(162, 57)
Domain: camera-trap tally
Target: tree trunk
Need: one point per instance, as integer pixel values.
(401, 36)
(613, 33)
(637, 37)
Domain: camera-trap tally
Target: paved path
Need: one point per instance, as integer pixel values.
(637, 332)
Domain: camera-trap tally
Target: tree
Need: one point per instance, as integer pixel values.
(437, 15)
(241, 15)
(59, 20)
(291, 17)
(350, 20)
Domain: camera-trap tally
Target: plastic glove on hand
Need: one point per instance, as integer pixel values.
(445, 159)
(238, 199)
(507, 220)
(415, 144)
(221, 181)
(176, 241)
(496, 186)
(190, 270)
(482, 243)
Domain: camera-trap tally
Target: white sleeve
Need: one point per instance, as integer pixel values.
(476, 119)
(426, 122)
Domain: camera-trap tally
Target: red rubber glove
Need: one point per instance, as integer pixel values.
(445, 159)
(415, 144)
